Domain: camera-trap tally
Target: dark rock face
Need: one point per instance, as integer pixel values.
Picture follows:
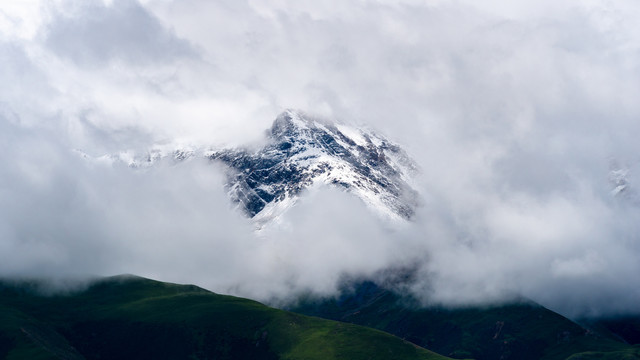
(303, 151)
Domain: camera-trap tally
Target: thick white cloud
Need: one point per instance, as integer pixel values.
(513, 110)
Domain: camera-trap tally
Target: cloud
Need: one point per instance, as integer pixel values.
(514, 113)
(94, 34)
(572, 252)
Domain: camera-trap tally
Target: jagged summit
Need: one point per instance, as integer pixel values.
(302, 151)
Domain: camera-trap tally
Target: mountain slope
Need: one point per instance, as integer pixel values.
(625, 327)
(130, 317)
(518, 330)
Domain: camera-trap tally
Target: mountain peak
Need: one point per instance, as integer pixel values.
(288, 123)
(304, 151)
(296, 124)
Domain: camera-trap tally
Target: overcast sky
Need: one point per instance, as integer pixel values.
(515, 111)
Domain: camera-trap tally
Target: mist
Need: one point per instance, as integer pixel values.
(514, 113)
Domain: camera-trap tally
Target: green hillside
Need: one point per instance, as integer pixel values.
(136, 318)
(520, 330)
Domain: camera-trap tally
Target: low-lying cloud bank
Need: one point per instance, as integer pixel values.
(514, 113)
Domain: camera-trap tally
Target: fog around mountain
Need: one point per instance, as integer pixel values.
(515, 114)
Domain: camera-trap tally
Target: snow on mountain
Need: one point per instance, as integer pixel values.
(170, 151)
(302, 152)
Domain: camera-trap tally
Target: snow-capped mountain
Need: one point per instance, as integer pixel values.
(302, 152)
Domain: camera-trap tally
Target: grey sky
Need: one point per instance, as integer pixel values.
(514, 112)
(96, 35)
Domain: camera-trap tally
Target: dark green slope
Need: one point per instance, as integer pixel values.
(521, 330)
(626, 328)
(623, 328)
(135, 318)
